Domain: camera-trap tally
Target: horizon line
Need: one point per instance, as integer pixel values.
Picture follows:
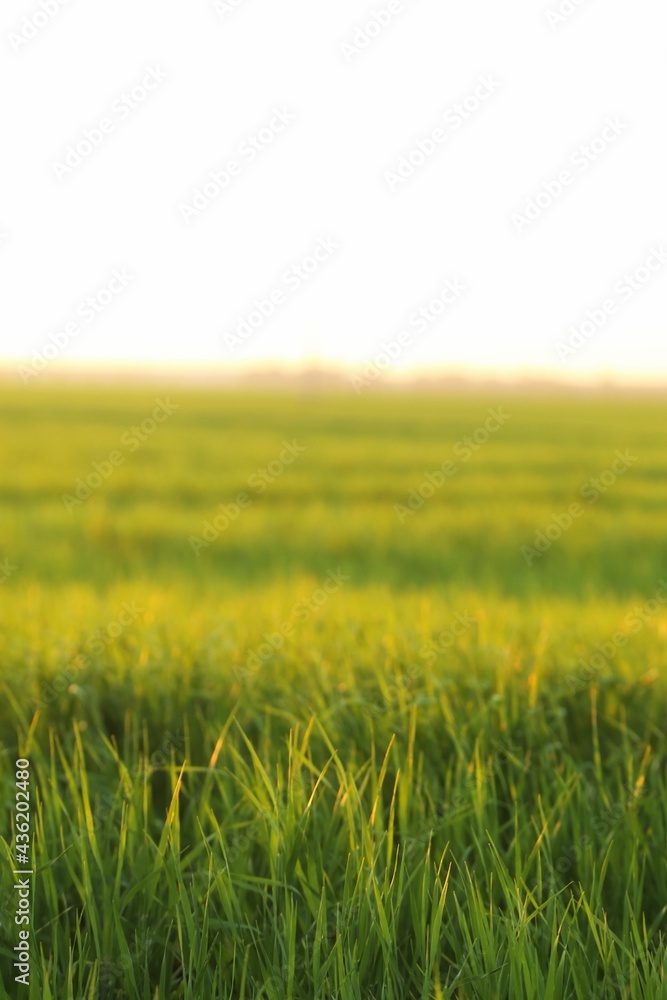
(320, 376)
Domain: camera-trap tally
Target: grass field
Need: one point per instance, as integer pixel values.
(351, 734)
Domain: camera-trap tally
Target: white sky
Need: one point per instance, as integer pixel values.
(325, 176)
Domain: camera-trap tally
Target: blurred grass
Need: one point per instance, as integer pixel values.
(331, 792)
(336, 501)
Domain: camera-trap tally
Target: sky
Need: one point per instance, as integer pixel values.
(397, 187)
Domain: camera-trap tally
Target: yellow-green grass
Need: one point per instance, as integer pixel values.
(379, 807)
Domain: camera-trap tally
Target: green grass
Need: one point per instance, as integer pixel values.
(378, 808)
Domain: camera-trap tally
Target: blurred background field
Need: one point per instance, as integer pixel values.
(332, 781)
(336, 501)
